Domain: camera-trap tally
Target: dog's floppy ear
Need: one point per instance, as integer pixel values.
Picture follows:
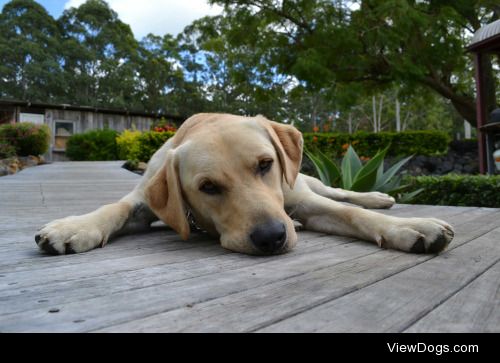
(164, 196)
(288, 143)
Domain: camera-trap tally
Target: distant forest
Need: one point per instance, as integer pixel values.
(322, 64)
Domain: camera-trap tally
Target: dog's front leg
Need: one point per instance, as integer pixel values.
(372, 200)
(417, 235)
(82, 233)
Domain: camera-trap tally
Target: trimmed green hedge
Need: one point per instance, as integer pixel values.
(24, 138)
(95, 145)
(367, 144)
(136, 145)
(458, 190)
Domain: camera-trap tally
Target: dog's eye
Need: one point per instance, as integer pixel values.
(265, 166)
(209, 188)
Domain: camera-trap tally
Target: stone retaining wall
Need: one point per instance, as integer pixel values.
(13, 165)
(462, 158)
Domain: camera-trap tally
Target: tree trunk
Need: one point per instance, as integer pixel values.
(398, 116)
(405, 121)
(374, 107)
(467, 130)
(466, 108)
(379, 121)
(313, 117)
(466, 104)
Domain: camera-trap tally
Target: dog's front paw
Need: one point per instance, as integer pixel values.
(377, 200)
(417, 235)
(70, 235)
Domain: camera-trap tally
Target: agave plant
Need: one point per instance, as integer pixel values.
(353, 175)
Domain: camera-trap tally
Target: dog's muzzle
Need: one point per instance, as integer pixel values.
(269, 237)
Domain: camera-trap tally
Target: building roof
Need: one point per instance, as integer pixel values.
(486, 38)
(112, 111)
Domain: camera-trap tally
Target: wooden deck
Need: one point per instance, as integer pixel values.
(157, 282)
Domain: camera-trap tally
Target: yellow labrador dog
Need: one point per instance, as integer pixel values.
(239, 178)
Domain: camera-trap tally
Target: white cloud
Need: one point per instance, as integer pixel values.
(157, 16)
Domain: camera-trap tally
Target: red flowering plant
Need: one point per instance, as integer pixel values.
(164, 126)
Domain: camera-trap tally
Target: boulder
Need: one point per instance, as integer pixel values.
(13, 167)
(28, 161)
(41, 160)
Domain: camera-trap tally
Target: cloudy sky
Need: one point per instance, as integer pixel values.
(145, 16)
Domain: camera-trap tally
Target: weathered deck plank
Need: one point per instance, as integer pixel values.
(394, 303)
(285, 298)
(156, 282)
(476, 308)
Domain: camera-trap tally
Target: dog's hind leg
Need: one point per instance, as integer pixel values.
(82, 233)
(374, 200)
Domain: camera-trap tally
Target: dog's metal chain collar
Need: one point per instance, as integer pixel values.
(192, 221)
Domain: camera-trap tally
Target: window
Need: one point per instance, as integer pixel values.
(62, 132)
(32, 117)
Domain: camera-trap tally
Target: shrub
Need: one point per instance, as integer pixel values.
(6, 150)
(151, 141)
(458, 190)
(140, 146)
(367, 144)
(128, 145)
(93, 145)
(26, 138)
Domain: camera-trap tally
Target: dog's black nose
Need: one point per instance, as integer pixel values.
(269, 237)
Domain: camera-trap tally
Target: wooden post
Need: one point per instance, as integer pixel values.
(480, 112)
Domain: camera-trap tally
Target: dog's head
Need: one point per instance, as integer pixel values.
(229, 171)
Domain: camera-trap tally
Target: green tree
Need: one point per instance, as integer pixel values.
(371, 42)
(229, 78)
(30, 67)
(100, 56)
(159, 75)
